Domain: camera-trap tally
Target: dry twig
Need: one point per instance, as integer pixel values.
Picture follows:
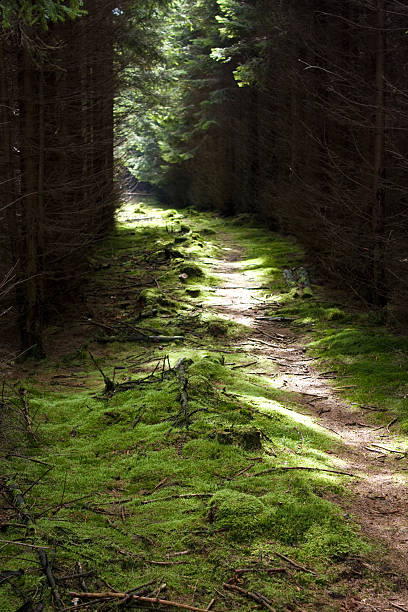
(260, 599)
(151, 600)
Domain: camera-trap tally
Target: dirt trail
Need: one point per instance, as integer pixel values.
(380, 503)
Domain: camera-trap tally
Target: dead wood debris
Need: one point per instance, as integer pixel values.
(281, 468)
(389, 450)
(180, 369)
(150, 600)
(112, 387)
(244, 365)
(294, 564)
(16, 413)
(258, 597)
(183, 496)
(138, 338)
(398, 607)
(267, 570)
(18, 501)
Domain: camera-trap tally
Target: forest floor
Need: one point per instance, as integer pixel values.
(203, 436)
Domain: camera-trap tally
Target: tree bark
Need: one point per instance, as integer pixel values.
(378, 216)
(31, 315)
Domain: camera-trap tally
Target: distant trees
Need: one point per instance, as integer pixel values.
(60, 68)
(298, 111)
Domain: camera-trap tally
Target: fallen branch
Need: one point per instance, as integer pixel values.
(294, 564)
(375, 450)
(38, 480)
(24, 544)
(165, 562)
(184, 496)
(151, 600)
(275, 319)
(389, 450)
(46, 566)
(138, 338)
(281, 468)
(260, 599)
(240, 473)
(80, 575)
(18, 501)
(244, 365)
(26, 458)
(178, 553)
(241, 287)
(109, 384)
(398, 607)
(373, 408)
(268, 570)
(329, 429)
(258, 340)
(388, 424)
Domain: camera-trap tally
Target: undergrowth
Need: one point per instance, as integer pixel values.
(140, 493)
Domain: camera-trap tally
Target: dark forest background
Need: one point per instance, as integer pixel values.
(294, 111)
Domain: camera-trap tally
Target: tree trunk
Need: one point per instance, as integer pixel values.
(378, 216)
(31, 315)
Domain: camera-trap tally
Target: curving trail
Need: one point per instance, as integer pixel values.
(379, 502)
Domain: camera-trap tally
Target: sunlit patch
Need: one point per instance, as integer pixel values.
(270, 406)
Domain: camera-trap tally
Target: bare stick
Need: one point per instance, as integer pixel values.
(38, 480)
(266, 343)
(152, 600)
(184, 496)
(24, 544)
(294, 564)
(255, 596)
(398, 607)
(159, 484)
(166, 562)
(281, 468)
(390, 450)
(244, 365)
(46, 566)
(109, 384)
(26, 458)
(268, 570)
(241, 472)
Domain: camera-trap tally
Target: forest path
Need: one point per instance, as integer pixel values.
(136, 475)
(379, 502)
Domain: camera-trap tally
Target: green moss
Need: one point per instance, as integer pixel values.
(192, 270)
(239, 514)
(112, 455)
(334, 540)
(336, 314)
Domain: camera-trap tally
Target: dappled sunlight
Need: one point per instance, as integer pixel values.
(270, 406)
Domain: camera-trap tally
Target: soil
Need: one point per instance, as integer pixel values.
(379, 501)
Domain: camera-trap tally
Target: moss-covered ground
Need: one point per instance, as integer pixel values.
(143, 492)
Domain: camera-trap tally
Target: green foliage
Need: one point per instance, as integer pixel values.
(42, 12)
(181, 96)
